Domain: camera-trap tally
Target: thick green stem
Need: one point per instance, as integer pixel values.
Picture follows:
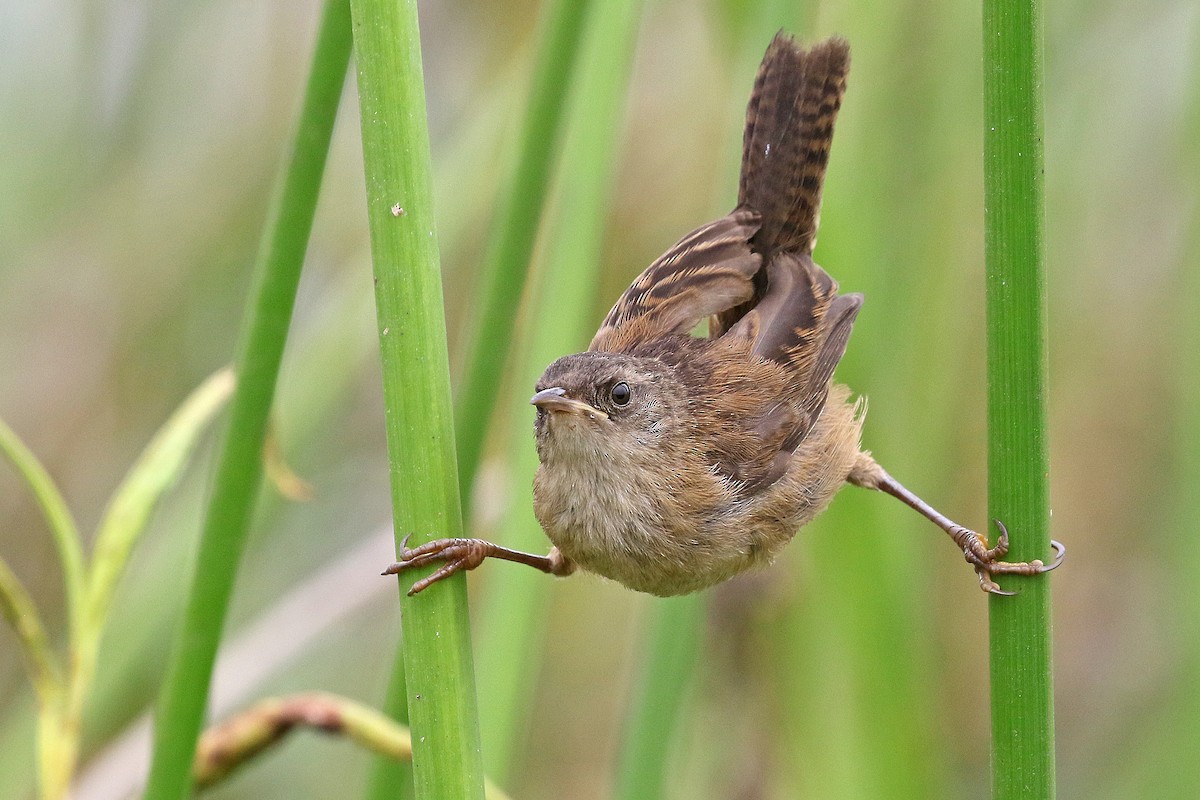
(1018, 463)
(416, 387)
(277, 274)
(502, 280)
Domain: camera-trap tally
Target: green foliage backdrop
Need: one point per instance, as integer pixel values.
(140, 153)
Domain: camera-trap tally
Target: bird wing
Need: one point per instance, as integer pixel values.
(742, 421)
(707, 271)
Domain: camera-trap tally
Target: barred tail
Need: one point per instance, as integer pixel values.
(789, 127)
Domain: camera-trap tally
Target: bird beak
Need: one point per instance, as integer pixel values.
(556, 399)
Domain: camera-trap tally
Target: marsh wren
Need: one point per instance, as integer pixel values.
(671, 462)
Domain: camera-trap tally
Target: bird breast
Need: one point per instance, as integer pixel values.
(650, 529)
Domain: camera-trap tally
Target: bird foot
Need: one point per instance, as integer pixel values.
(987, 560)
(466, 554)
(458, 555)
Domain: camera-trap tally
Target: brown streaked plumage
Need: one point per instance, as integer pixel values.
(671, 462)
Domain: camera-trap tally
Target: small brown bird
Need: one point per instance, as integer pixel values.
(671, 462)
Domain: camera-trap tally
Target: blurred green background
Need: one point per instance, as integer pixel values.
(138, 142)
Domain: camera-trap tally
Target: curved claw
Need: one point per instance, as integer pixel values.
(990, 586)
(1060, 553)
(395, 567)
(1001, 549)
(987, 561)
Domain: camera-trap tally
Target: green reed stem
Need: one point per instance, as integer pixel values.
(439, 675)
(1018, 463)
(656, 705)
(239, 464)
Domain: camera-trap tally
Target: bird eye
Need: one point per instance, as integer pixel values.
(621, 393)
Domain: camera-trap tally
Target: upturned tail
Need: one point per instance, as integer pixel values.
(795, 315)
(789, 127)
(751, 271)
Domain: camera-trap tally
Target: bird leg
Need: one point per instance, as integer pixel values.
(467, 554)
(869, 475)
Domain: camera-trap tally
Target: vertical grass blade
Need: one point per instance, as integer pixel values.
(502, 279)
(227, 519)
(1018, 463)
(416, 386)
(657, 703)
(502, 275)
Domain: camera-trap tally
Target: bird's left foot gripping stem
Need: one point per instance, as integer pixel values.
(986, 560)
